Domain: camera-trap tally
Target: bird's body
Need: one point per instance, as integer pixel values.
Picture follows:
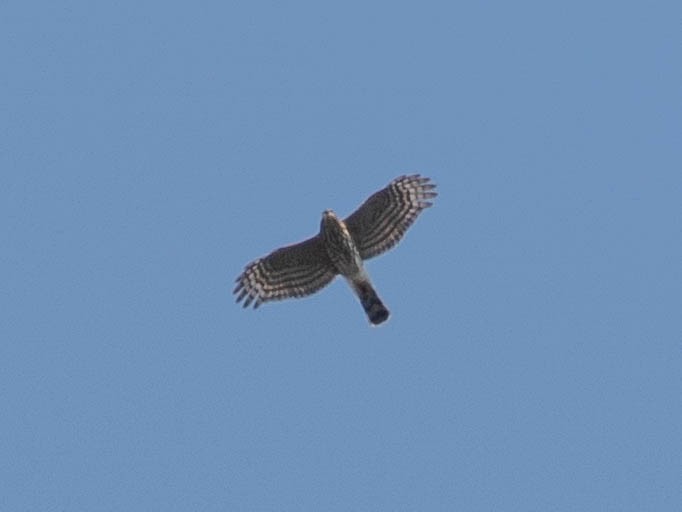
(345, 256)
(339, 249)
(340, 246)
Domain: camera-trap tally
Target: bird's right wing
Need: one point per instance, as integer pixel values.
(292, 271)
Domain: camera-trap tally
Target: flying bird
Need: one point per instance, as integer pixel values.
(340, 248)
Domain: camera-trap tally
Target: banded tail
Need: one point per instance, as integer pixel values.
(375, 309)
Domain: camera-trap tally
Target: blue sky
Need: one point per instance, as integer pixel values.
(532, 360)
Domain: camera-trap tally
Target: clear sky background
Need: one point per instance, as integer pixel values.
(533, 359)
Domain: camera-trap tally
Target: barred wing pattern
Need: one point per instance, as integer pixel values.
(293, 271)
(382, 220)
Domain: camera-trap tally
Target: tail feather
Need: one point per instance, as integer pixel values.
(375, 309)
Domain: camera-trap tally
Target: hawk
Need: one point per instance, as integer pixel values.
(340, 248)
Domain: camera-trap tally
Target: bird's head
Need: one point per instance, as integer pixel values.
(328, 218)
